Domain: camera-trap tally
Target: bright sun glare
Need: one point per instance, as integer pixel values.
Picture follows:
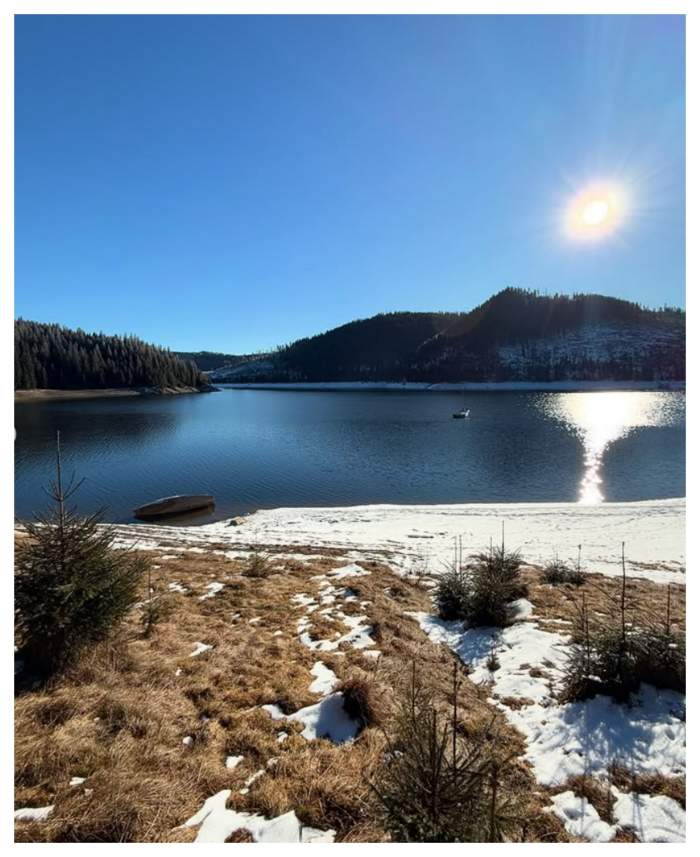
(595, 212)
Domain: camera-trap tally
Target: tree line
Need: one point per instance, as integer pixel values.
(49, 356)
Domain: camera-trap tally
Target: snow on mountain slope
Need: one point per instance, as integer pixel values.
(600, 343)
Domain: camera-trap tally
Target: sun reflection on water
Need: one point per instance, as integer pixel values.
(600, 419)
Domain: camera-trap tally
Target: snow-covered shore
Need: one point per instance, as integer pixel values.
(469, 386)
(423, 538)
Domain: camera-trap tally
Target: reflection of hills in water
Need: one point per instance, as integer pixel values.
(109, 444)
(88, 424)
(600, 419)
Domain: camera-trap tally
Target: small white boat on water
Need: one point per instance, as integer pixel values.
(176, 505)
(464, 413)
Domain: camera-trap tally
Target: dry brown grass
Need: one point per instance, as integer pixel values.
(650, 784)
(595, 792)
(557, 604)
(360, 700)
(119, 716)
(516, 702)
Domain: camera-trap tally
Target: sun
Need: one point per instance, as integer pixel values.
(595, 212)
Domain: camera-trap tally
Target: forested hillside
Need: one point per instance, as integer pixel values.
(53, 357)
(373, 347)
(515, 335)
(208, 360)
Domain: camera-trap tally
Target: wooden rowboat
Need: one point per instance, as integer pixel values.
(175, 505)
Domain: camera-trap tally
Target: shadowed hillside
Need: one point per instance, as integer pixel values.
(515, 335)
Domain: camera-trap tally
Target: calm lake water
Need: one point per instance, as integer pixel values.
(256, 449)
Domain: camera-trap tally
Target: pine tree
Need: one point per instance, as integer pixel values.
(72, 586)
(47, 355)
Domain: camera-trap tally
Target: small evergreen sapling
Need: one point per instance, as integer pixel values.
(481, 593)
(559, 572)
(495, 584)
(259, 565)
(617, 655)
(72, 586)
(436, 783)
(156, 607)
(452, 594)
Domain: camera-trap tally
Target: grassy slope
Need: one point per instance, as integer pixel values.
(120, 716)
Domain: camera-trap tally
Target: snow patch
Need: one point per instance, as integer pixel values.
(352, 570)
(200, 648)
(325, 679)
(303, 600)
(274, 711)
(212, 589)
(518, 649)
(359, 636)
(653, 818)
(522, 609)
(581, 818)
(563, 741)
(216, 823)
(326, 719)
(38, 813)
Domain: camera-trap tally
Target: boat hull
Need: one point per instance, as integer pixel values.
(174, 505)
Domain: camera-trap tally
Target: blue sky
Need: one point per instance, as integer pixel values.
(232, 183)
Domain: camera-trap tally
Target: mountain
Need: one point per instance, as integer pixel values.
(514, 335)
(49, 356)
(208, 360)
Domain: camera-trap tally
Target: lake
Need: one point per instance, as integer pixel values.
(256, 449)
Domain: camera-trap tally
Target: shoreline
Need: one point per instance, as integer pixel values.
(48, 395)
(422, 539)
(458, 387)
